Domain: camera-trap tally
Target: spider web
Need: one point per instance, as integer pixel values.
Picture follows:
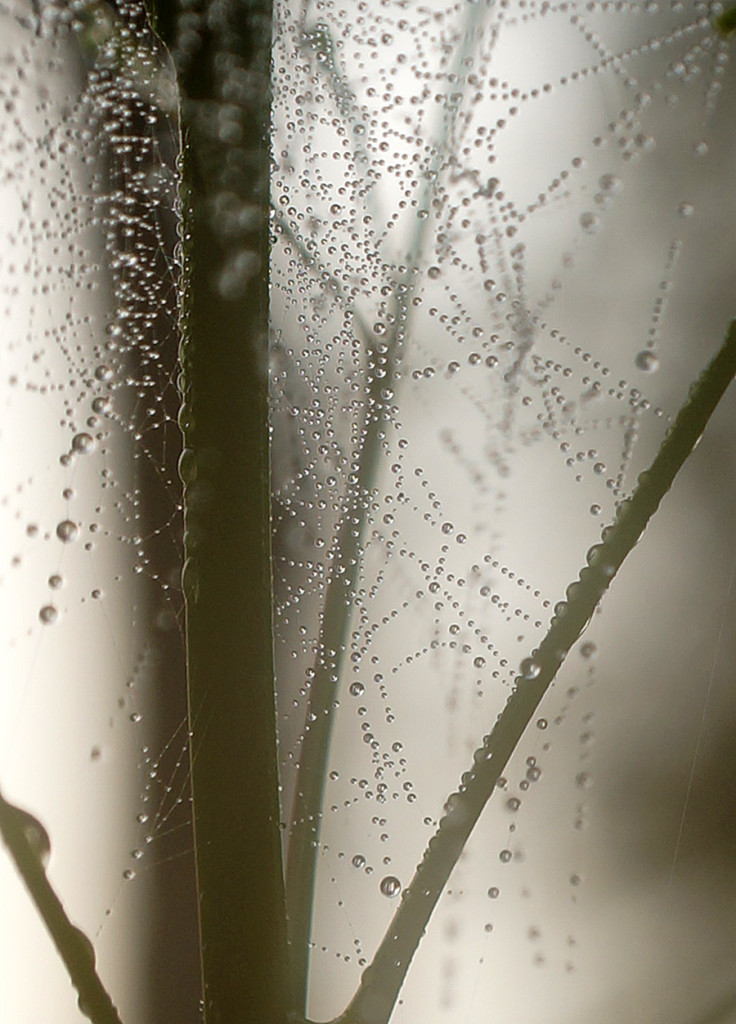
(495, 208)
(501, 252)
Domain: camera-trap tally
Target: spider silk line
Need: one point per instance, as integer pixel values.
(701, 727)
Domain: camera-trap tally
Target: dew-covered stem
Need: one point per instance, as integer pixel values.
(382, 980)
(74, 948)
(310, 784)
(225, 470)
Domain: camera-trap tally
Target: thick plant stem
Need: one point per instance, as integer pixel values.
(382, 980)
(74, 947)
(225, 114)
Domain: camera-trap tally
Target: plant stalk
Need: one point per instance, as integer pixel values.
(225, 120)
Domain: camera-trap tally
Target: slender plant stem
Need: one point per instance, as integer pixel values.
(384, 356)
(309, 793)
(382, 980)
(75, 949)
(225, 114)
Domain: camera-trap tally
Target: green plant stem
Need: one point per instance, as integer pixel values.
(74, 947)
(382, 980)
(383, 357)
(225, 115)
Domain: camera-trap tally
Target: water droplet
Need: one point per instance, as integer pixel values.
(234, 278)
(83, 444)
(529, 668)
(128, 874)
(55, 581)
(686, 209)
(647, 361)
(101, 406)
(88, 953)
(67, 531)
(504, 856)
(36, 835)
(589, 222)
(493, 892)
(187, 466)
(357, 689)
(587, 650)
(479, 662)
(390, 886)
(610, 184)
(48, 614)
(358, 861)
